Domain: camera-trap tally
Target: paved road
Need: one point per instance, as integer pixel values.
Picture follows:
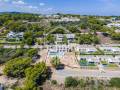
(60, 75)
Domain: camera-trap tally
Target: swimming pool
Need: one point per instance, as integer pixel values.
(55, 54)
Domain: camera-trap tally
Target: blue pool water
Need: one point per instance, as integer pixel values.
(55, 54)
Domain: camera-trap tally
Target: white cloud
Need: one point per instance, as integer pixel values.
(42, 4)
(32, 7)
(19, 2)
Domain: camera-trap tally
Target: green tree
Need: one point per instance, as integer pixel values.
(82, 83)
(29, 38)
(65, 40)
(50, 39)
(35, 76)
(115, 36)
(40, 42)
(55, 62)
(32, 52)
(115, 82)
(70, 82)
(16, 67)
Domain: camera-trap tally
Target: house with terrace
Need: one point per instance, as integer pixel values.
(104, 60)
(65, 19)
(85, 60)
(14, 35)
(117, 58)
(58, 50)
(70, 38)
(110, 50)
(113, 25)
(86, 49)
(117, 30)
(62, 35)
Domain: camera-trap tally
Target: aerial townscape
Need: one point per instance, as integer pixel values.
(58, 51)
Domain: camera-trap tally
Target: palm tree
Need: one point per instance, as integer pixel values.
(55, 62)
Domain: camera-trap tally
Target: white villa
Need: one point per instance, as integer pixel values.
(117, 59)
(12, 35)
(58, 50)
(89, 58)
(113, 50)
(85, 49)
(97, 59)
(60, 37)
(66, 19)
(113, 25)
(117, 31)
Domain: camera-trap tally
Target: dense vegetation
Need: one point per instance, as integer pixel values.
(35, 26)
(115, 82)
(16, 67)
(87, 39)
(35, 76)
(91, 83)
(8, 54)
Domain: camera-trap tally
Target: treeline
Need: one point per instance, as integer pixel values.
(87, 39)
(15, 17)
(8, 54)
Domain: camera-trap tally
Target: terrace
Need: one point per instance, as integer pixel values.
(60, 38)
(58, 50)
(104, 60)
(86, 49)
(110, 50)
(90, 59)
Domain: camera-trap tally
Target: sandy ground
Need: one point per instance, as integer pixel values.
(5, 80)
(69, 60)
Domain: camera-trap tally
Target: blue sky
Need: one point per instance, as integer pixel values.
(89, 7)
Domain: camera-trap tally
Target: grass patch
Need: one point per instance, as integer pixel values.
(83, 62)
(112, 65)
(91, 64)
(104, 62)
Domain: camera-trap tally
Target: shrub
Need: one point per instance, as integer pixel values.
(55, 62)
(54, 82)
(71, 82)
(82, 83)
(115, 82)
(32, 52)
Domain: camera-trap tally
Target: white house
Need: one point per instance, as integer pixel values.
(117, 30)
(85, 49)
(113, 50)
(66, 19)
(89, 58)
(58, 50)
(11, 35)
(113, 25)
(60, 37)
(99, 58)
(117, 58)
